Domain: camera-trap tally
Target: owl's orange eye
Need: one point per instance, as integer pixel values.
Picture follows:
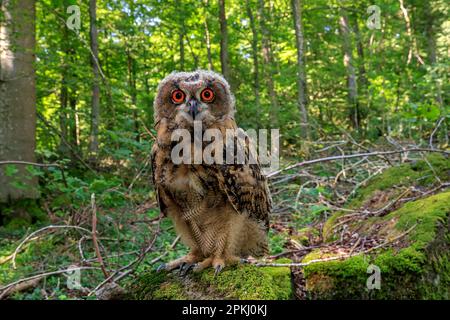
(207, 95)
(178, 96)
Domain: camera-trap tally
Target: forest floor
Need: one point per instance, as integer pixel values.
(105, 228)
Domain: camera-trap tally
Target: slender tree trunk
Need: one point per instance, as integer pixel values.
(181, 44)
(95, 106)
(362, 74)
(64, 93)
(430, 35)
(181, 33)
(413, 43)
(74, 123)
(207, 36)
(131, 66)
(255, 56)
(352, 86)
(224, 57)
(17, 97)
(268, 62)
(302, 98)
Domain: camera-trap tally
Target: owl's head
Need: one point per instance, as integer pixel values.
(187, 96)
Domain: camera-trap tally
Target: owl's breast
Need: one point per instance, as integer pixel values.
(191, 188)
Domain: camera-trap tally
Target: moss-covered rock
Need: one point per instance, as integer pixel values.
(414, 266)
(239, 282)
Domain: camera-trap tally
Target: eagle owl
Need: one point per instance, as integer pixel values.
(220, 210)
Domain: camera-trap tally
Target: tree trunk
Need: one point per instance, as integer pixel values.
(95, 106)
(413, 43)
(207, 36)
(224, 58)
(17, 97)
(268, 62)
(74, 123)
(302, 98)
(352, 86)
(64, 94)
(131, 67)
(181, 33)
(362, 74)
(256, 84)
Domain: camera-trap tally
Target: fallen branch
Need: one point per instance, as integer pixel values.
(94, 236)
(5, 289)
(20, 287)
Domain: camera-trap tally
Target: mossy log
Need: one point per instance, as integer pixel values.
(243, 282)
(415, 267)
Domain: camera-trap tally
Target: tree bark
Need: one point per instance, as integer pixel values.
(413, 43)
(95, 105)
(352, 85)
(224, 57)
(180, 22)
(362, 74)
(268, 61)
(302, 98)
(131, 68)
(64, 94)
(17, 97)
(207, 36)
(255, 56)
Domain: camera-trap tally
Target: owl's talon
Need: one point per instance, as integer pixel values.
(217, 269)
(162, 266)
(181, 268)
(185, 268)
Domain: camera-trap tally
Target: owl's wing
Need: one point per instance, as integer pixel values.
(153, 156)
(246, 187)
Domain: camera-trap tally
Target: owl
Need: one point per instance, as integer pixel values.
(220, 210)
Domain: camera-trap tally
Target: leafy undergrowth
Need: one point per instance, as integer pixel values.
(128, 223)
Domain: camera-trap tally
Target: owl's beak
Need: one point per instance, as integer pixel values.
(193, 107)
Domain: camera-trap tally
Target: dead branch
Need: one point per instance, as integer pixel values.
(94, 236)
(41, 276)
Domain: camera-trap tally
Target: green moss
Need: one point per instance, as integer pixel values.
(304, 235)
(419, 270)
(238, 282)
(148, 285)
(408, 174)
(387, 186)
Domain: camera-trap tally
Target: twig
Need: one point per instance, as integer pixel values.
(42, 165)
(38, 231)
(133, 264)
(439, 122)
(94, 236)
